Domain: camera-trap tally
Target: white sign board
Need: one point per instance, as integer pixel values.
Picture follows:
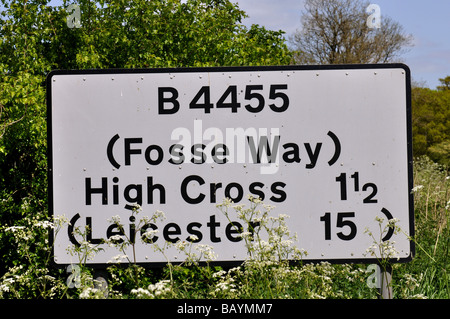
(328, 146)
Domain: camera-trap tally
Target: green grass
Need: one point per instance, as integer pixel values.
(432, 209)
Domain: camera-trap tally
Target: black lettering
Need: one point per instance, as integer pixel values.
(233, 228)
(295, 153)
(115, 191)
(146, 239)
(184, 192)
(252, 227)
(132, 229)
(110, 232)
(171, 99)
(148, 157)
(102, 190)
(255, 191)
(192, 231)
(213, 187)
(212, 226)
(275, 189)
(89, 238)
(220, 150)
(174, 152)
(151, 187)
(206, 105)
(240, 192)
(313, 156)
(167, 232)
(198, 153)
(129, 151)
(70, 229)
(263, 146)
(109, 151)
(136, 199)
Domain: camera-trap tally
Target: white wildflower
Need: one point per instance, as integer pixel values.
(142, 293)
(115, 220)
(44, 224)
(136, 208)
(149, 234)
(118, 259)
(207, 252)
(14, 229)
(181, 245)
(91, 293)
(161, 288)
(220, 273)
(193, 238)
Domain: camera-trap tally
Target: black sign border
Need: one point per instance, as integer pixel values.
(227, 264)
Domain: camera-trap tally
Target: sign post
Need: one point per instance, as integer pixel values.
(385, 290)
(330, 146)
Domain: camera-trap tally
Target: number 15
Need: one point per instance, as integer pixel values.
(340, 223)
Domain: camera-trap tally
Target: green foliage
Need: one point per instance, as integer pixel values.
(431, 124)
(445, 84)
(432, 213)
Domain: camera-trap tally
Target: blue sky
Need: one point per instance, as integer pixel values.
(427, 21)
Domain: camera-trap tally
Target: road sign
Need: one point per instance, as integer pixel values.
(330, 146)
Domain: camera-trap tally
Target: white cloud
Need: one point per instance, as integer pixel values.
(274, 15)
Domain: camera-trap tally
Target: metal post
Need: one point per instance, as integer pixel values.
(385, 289)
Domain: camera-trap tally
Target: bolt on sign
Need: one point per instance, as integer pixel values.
(329, 146)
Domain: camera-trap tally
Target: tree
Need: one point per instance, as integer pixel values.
(336, 32)
(431, 123)
(445, 84)
(36, 38)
